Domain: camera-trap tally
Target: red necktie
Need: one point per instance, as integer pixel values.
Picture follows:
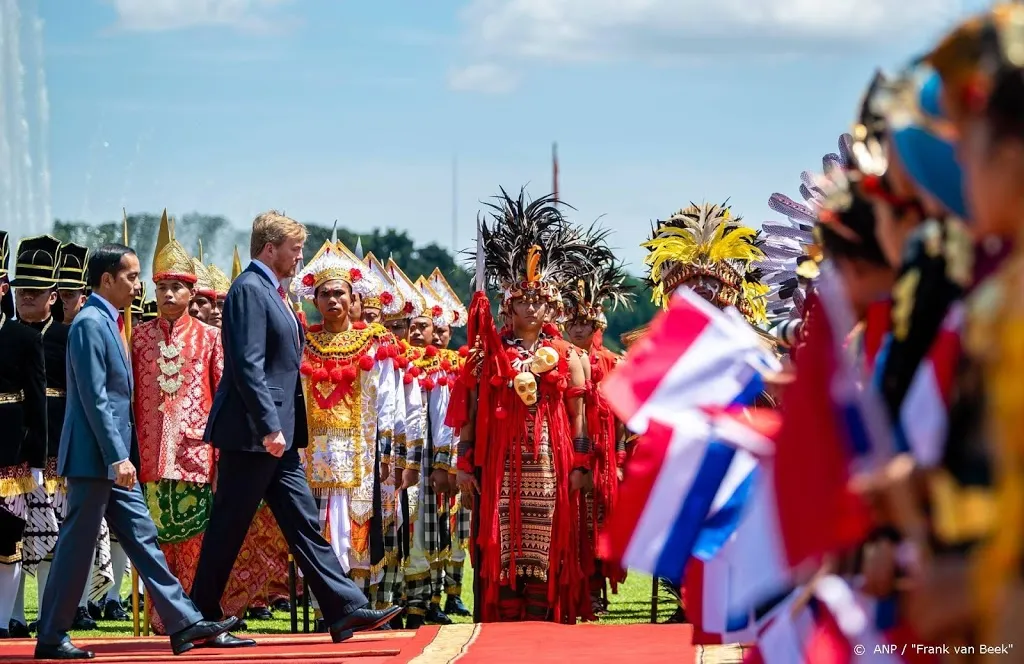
(124, 338)
(284, 296)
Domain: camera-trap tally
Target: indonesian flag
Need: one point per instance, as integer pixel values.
(694, 355)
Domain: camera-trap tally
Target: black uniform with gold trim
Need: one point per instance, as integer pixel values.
(22, 420)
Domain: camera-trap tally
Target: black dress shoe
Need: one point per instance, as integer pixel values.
(95, 610)
(260, 613)
(83, 621)
(435, 616)
(453, 606)
(204, 630)
(65, 650)
(282, 605)
(112, 611)
(362, 620)
(414, 621)
(19, 630)
(226, 640)
(397, 623)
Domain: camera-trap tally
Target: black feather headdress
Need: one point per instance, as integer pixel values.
(530, 249)
(593, 294)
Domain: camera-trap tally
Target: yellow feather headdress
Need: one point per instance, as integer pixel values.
(705, 242)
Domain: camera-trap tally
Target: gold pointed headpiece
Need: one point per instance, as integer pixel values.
(204, 284)
(330, 264)
(439, 314)
(219, 280)
(236, 265)
(452, 304)
(390, 300)
(170, 260)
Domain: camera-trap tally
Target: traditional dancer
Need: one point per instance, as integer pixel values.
(23, 414)
(527, 435)
(430, 543)
(177, 361)
(587, 300)
(457, 515)
(377, 306)
(351, 400)
(221, 285)
(204, 301)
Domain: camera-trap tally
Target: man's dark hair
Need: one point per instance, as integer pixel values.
(106, 260)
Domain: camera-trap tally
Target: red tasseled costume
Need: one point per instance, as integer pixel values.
(602, 429)
(567, 589)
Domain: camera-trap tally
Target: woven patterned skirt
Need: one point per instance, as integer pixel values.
(537, 491)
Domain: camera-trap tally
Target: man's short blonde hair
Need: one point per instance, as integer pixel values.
(275, 228)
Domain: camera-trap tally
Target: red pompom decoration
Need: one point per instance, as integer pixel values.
(436, 311)
(512, 353)
(551, 377)
(464, 351)
(308, 280)
(402, 361)
(355, 274)
(337, 374)
(320, 375)
(407, 308)
(316, 328)
(500, 413)
(359, 325)
(330, 364)
(407, 379)
(431, 351)
(415, 371)
(446, 365)
(442, 381)
(428, 384)
(386, 298)
(497, 381)
(365, 362)
(382, 353)
(349, 373)
(306, 369)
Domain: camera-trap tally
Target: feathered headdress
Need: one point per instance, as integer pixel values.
(706, 241)
(529, 249)
(791, 251)
(602, 290)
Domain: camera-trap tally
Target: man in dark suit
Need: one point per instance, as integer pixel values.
(258, 422)
(98, 455)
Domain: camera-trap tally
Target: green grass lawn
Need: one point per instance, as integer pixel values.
(632, 604)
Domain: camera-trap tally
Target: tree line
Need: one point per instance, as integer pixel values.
(218, 238)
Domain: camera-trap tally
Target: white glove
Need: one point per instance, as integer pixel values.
(37, 475)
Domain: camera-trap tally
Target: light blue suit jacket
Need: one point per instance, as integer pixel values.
(98, 423)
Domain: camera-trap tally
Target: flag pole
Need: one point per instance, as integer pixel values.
(554, 171)
(455, 205)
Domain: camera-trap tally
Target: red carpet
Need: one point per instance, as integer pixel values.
(496, 643)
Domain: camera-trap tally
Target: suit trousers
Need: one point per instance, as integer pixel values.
(89, 500)
(243, 480)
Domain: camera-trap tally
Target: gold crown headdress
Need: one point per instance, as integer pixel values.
(436, 311)
(204, 284)
(170, 260)
(329, 265)
(390, 300)
(450, 301)
(369, 286)
(415, 304)
(219, 280)
(706, 242)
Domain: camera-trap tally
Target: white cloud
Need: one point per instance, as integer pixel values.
(157, 15)
(660, 30)
(485, 78)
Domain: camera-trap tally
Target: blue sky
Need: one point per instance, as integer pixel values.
(353, 110)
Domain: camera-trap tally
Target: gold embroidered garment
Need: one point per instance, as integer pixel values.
(177, 369)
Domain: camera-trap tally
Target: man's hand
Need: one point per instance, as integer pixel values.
(577, 479)
(439, 480)
(453, 481)
(410, 478)
(274, 443)
(124, 474)
(467, 485)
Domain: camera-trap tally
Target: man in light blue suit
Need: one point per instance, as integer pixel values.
(98, 456)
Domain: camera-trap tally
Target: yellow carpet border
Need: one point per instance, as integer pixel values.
(731, 653)
(449, 645)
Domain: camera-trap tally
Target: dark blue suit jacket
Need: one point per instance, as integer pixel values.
(260, 391)
(98, 423)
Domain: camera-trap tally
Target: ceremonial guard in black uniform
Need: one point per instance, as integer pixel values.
(71, 279)
(23, 423)
(39, 307)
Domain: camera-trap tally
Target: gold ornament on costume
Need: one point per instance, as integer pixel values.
(330, 264)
